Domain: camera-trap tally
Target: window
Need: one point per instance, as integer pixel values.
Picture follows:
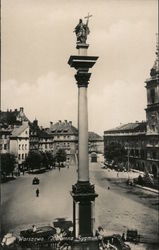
(22, 156)
(153, 127)
(0, 146)
(152, 93)
(45, 145)
(25, 146)
(26, 132)
(22, 146)
(154, 155)
(19, 156)
(5, 146)
(19, 146)
(25, 156)
(137, 152)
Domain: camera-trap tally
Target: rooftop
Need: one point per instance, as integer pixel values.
(60, 127)
(94, 137)
(129, 127)
(18, 130)
(11, 117)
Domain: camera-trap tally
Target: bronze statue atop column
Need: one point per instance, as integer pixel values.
(82, 30)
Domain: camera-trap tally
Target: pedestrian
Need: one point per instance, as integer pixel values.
(59, 168)
(123, 237)
(37, 192)
(108, 187)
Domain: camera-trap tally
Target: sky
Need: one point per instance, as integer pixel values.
(38, 39)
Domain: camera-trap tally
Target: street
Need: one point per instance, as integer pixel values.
(117, 208)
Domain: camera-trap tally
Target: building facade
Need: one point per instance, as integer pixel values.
(5, 132)
(14, 134)
(141, 140)
(152, 117)
(96, 143)
(64, 135)
(19, 142)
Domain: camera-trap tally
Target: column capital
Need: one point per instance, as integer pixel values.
(82, 77)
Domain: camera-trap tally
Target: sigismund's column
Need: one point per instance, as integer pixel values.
(83, 191)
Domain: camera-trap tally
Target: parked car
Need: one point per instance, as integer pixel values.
(36, 181)
(133, 236)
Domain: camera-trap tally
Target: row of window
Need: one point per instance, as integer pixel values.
(141, 153)
(23, 146)
(65, 144)
(63, 136)
(22, 156)
(4, 146)
(4, 137)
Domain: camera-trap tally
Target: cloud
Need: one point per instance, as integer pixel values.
(51, 98)
(121, 102)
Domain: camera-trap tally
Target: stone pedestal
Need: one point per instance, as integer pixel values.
(83, 192)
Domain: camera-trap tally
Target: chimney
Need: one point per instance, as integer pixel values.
(15, 110)
(51, 124)
(21, 109)
(66, 121)
(59, 121)
(70, 123)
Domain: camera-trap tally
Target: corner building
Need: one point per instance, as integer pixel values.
(141, 139)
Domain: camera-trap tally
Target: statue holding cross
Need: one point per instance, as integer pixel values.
(82, 30)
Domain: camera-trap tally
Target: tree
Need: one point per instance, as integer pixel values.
(33, 160)
(61, 155)
(7, 163)
(51, 158)
(115, 151)
(44, 160)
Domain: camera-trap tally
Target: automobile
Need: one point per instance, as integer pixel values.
(116, 241)
(133, 236)
(130, 182)
(36, 181)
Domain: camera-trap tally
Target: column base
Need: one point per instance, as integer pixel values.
(85, 244)
(83, 194)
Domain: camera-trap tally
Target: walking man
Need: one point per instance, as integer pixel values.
(37, 192)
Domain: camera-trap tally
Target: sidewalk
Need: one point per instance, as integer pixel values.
(124, 175)
(148, 189)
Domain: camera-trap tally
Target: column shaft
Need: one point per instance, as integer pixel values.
(83, 163)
